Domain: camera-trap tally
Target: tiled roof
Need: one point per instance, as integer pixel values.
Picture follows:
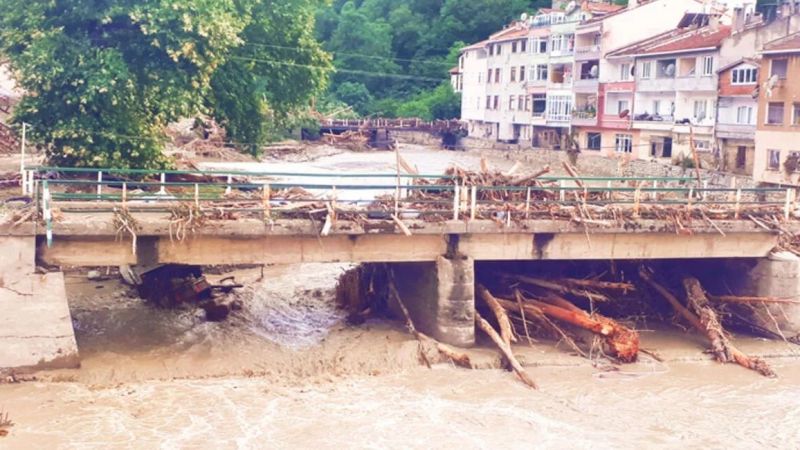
(788, 44)
(475, 46)
(512, 32)
(602, 8)
(737, 63)
(454, 71)
(677, 41)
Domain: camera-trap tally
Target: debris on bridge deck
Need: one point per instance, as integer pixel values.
(593, 309)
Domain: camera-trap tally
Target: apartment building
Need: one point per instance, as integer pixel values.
(675, 93)
(517, 85)
(604, 87)
(777, 149)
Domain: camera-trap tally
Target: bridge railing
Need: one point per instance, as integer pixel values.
(395, 197)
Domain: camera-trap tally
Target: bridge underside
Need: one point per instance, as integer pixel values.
(94, 242)
(277, 249)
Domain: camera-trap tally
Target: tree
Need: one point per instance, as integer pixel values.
(105, 77)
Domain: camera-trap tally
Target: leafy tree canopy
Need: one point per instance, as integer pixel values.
(104, 77)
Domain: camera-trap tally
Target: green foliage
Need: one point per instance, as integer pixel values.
(105, 77)
(402, 51)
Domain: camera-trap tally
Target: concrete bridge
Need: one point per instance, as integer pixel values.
(383, 132)
(431, 231)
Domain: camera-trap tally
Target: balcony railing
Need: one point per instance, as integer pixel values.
(587, 52)
(584, 114)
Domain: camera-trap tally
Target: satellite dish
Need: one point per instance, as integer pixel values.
(523, 17)
(770, 84)
(570, 7)
(624, 113)
(593, 71)
(669, 70)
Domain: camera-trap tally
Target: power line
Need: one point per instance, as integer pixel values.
(347, 71)
(361, 55)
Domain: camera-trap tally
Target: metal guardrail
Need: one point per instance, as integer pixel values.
(381, 196)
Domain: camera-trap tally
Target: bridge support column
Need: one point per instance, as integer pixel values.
(35, 322)
(777, 276)
(440, 297)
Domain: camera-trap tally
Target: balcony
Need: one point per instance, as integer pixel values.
(534, 84)
(567, 52)
(655, 85)
(736, 131)
(653, 122)
(587, 52)
(587, 85)
(693, 83)
(586, 117)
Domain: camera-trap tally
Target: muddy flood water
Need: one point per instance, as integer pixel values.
(287, 372)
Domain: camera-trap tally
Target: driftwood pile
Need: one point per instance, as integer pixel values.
(596, 316)
(355, 140)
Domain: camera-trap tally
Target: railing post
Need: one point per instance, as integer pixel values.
(124, 194)
(266, 193)
(22, 158)
(163, 190)
(561, 193)
(99, 184)
(737, 205)
(47, 213)
(31, 181)
(456, 200)
(654, 192)
(197, 195)
(787, 204)
(705, 189)
(473, 203)
(528, 204)
(689, 201)
(228, 188)
(609, 194)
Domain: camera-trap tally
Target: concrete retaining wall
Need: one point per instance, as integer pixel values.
(777, 276)
(35, 322)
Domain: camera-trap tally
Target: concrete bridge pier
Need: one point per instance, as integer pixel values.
(778, 276)
(35, 322)
(440, 297)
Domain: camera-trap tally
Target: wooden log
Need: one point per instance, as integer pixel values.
(598, 284)
(506, 350)
(529, 178)
(745, 299)
(560, 288)
(721, 347)
(506, 331)
(621, 342)
(673, 301)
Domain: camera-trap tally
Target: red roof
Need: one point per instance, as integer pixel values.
(454, 71)
(512, 32)
(602, 8)
(677, 41)
(786, 44)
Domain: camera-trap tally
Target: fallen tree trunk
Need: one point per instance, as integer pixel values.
(506, 350)
(721, 346)
(560, 288)
(506, 330)
(621, 342)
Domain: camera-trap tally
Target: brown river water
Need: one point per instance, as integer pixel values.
(287, 372)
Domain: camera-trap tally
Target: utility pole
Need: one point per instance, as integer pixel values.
(22, 159)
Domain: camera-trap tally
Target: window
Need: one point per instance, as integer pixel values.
(491, 50)
(779, 68)
(593, 141)
(514, 47)
(699, 110)
(656, 107)
(744, 75)
(702, 146)
(623, 143)
(708, 66)
(499, 48)
(527, 103)
(555, 43)
(796, 114)
(647, 68)
(625, 72)
(741, 157)
(488, 102)
(521, 73)
(511, 102)
(523, 45)
(540, 45)
(489, 76)
(541, 72)
(773, 159)
(521, 103)
(622, 105)
(775, 113)
(480, 77)
(744, 115)
(496, 102)
(539, 104)
(513, 74)
(497, 75)
(559, 107)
